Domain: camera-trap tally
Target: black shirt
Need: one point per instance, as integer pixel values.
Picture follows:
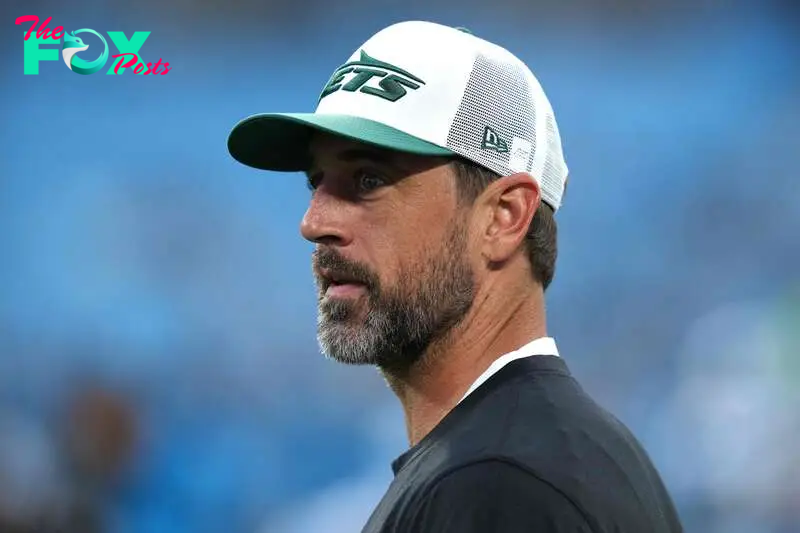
(527, 451)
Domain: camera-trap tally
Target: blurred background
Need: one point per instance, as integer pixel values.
(159, 371)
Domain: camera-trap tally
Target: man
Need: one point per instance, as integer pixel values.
(435, 166)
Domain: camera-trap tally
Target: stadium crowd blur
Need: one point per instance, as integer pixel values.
(159, 371)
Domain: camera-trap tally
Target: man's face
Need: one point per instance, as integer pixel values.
(391, 261)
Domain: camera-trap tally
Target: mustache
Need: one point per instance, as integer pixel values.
(331, 260)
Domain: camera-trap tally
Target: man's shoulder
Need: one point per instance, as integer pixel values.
(535, 417)
(484, 495)
(535, 413)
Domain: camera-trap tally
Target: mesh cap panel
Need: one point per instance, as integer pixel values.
(505, 124)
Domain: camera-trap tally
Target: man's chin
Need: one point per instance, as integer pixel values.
(342, 343)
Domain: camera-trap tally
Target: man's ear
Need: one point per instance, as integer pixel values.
(510, 203)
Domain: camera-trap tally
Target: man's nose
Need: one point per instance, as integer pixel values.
(325, 220)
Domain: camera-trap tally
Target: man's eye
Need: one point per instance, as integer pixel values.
(368, 181)
(312, 182)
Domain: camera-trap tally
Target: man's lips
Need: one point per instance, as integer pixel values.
(340, 285)
(345, 290)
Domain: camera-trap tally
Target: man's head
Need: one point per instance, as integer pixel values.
(435, 171)
(405, 243)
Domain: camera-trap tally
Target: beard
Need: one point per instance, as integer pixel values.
(392, 327)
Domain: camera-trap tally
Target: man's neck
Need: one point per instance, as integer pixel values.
(434, 385)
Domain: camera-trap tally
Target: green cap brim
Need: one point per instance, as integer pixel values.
(280, 141)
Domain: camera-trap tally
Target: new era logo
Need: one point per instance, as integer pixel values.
(492, 141)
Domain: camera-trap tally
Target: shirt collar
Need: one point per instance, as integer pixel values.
(540, 346)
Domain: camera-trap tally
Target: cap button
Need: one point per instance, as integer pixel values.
(463, 29)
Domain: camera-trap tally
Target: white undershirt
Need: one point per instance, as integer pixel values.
(540, 346)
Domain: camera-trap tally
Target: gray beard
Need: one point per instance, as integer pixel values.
(402, 321)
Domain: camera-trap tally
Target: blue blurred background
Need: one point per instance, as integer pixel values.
(158, 364)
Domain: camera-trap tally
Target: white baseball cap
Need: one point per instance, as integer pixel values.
(428, 89)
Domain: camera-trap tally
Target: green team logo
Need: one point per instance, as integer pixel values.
(492, 141)
(73, 44)
(374, 77)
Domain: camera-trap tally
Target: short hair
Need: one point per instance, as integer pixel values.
(541, 239)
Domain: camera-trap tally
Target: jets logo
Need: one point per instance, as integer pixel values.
(370, 76)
